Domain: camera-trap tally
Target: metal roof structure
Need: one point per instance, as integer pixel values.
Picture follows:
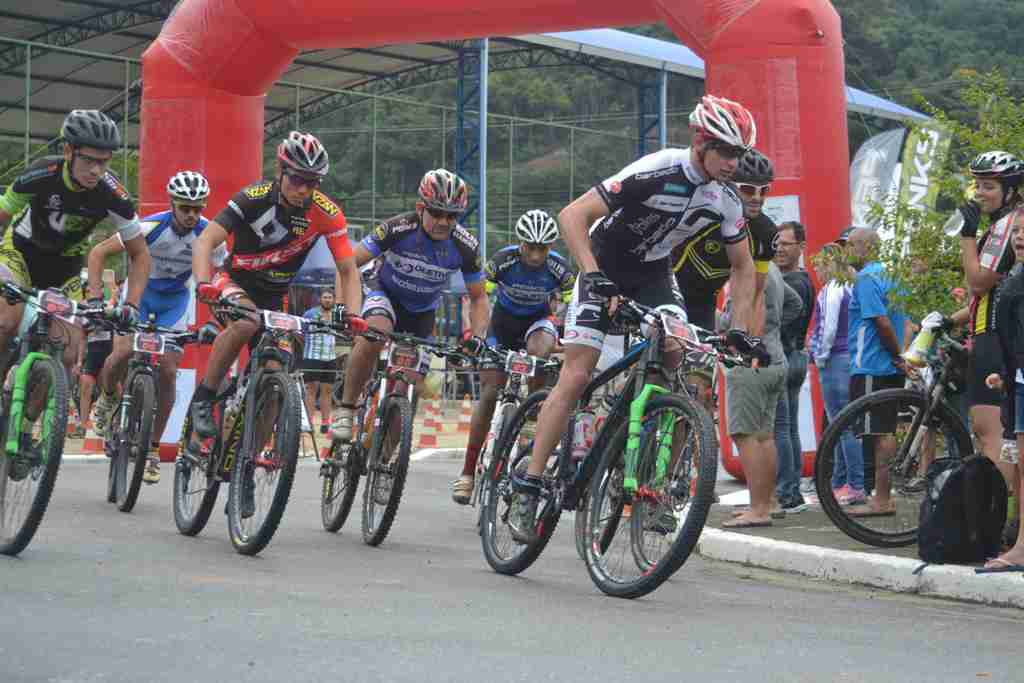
(106, 38)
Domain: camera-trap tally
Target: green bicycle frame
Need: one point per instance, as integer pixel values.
(636, 416)
(18, 405)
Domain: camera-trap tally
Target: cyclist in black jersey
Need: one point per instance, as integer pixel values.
(638, 216)
(53, 207)
(998, 177)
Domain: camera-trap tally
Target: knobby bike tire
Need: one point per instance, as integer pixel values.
(958, 442)
(479, 495)
(13, 541)
(340, 482)
(582, 513)
(136, 450)
(283, 456)
(374, 530)
(504, 555)
(697, 454)
(188, 477)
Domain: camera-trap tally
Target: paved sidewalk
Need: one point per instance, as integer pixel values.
(809, 543)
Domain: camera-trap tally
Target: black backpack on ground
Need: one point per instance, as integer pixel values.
(963, 511)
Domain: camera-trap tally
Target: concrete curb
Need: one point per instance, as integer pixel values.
(422, 454)
(879, 571)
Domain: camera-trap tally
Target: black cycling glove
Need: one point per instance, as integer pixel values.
(971, 212)
(748, 345)
(595, 286)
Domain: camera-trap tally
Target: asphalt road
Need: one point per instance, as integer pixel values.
(105, 596)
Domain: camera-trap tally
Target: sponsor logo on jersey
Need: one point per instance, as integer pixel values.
(274, 257)
(412, 267)
(299, 224)
(660, 173)
(257, 191)
(119, 190)
(712, 247)
(380, 232)
(466, 237)
(685, 190)
(614, 186)
(642, 224)
(325, 204)
(710, 195)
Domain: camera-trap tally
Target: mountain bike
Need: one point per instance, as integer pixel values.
(650, 472)
(33, 411)
(382, 442)
(256, 446)
(927, 426)
(132, 421)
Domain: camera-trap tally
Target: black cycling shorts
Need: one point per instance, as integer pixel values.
(986, 357)
(96, 353)
(318, 371)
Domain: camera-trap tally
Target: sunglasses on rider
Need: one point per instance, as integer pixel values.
(299, 180)
(727, 151)
(439, 215)
(747, 188)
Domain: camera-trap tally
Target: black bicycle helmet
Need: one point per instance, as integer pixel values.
(90, 128)
(754, 168)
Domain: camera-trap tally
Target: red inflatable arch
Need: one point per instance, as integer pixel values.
(206, 74)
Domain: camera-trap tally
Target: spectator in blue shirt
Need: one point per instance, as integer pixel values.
(875, 340)
(318, 362)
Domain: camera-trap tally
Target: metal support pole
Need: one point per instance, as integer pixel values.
(298, 106)
(444, 138)
(373, 164)
(572, 163)
(511, 135)
(28, 104)
(663, 108)
(484, 47)
(124, 122)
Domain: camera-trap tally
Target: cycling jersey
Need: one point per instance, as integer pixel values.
(416, 268)
(171, 253)
(702, 264)
(524, 291)
(656, 203)
(995, 253)
(272, 240)
(52, 219)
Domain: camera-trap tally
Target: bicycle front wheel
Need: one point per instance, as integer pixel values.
(386, 469)
(911, 445)
(128, 463)
(340, 481)
(195, 480)
(27, 478)
(262, 474)
(634, 543)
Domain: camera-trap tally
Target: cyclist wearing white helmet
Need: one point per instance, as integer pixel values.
(621, 234)
(169, 235)
(998, 177)
(419, 251)
(525, 276)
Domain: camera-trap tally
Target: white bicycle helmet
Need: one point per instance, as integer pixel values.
(724, 120)
(995, 164)
(188, 186)
(536, 227)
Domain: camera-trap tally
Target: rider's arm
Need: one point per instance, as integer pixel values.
(745, 289)
(979, 279)
(202, 250)
(961, 316)
(138, 269)
(5, 219)
(348, 287)
(479, 308)
(575, 220)
(94, 262)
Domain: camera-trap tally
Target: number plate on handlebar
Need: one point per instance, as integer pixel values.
(146, 342)
(282, 321)
(674, 327)
(404, 357)
(57, 304)
(519, 364)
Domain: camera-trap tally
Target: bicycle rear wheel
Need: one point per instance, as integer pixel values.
(341, 479)
(386, 469)
(262, 474)
(511, 454)
(28, 477)
(634, 545)
(916, 446)
(195, 482)
(128, 463)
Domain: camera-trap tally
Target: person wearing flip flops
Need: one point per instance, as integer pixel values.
(876, 341)
(1010, 328)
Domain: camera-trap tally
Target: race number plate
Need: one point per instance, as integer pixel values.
(404, 357)
(282, 321)
(149, 343)
(674, 327)
(522, 365)
(57, 304)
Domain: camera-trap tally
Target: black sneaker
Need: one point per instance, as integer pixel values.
(202, 419)
(523, 520)
(794, 505)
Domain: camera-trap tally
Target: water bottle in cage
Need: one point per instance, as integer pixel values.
(583, 435)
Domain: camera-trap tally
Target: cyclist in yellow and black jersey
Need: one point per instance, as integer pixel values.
(53, 207)
(701, 263)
